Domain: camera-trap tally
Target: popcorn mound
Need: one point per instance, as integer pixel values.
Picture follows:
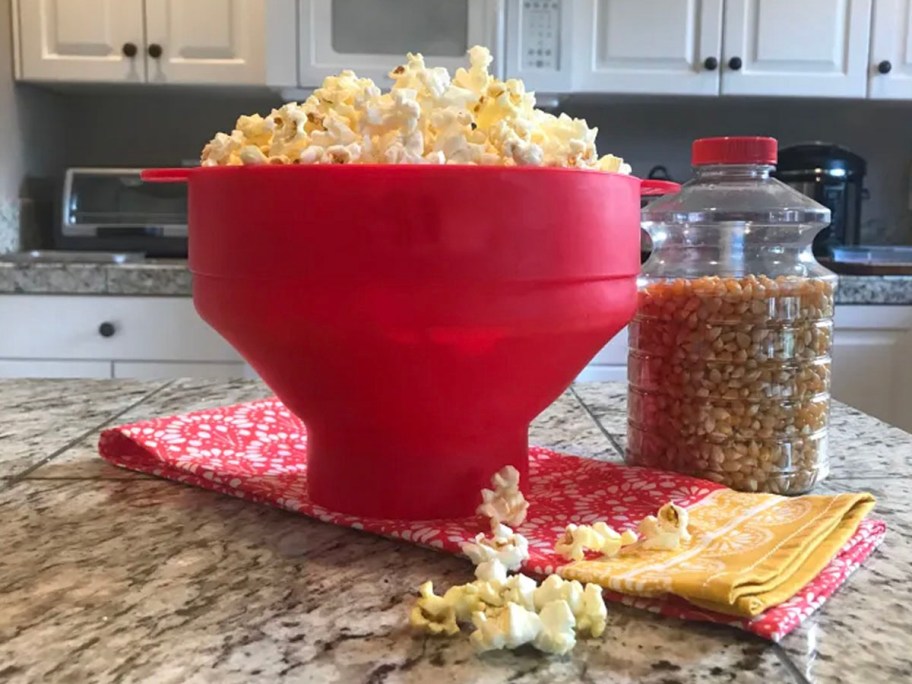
(425, 118)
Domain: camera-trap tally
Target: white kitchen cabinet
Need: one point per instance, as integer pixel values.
(872, 346)
(80, 40)
(142, 41)
(371, 38)
(85, 336)
(890, 66)
(206, 41)
(37, 368)
(661, 46)
(811, 48)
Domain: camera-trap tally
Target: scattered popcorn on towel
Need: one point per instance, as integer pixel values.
(504, 545)
(667, 530)
(505, 503)
(425, 118)
(578, 539)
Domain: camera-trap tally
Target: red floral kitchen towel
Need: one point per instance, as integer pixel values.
(258, 451)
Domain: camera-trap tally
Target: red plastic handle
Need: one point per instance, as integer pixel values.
(653, 188)
(175, 175)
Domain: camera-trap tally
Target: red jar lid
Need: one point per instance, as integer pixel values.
(734, 150)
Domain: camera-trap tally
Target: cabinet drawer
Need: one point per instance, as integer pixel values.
(156, 370)
(63, 327)
(27, 368)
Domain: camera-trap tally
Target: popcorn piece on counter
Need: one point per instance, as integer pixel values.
(556, 588)
(511, 627)
(557, 628)
(505, 503)
(593, 614)
(509, 548)
(426, 117)
(667, 530)
(492, 571)
(432, 614)
(520, 589)
(465, 599)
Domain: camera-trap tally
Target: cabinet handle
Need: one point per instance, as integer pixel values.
(155, 51)
(735, 63)
(129, 49)
(885, 67)
(107, 329)
(710, 63)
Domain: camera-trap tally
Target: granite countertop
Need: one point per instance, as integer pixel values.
(112, 576)
(170, 278)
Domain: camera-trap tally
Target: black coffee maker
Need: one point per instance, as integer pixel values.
(833, 176)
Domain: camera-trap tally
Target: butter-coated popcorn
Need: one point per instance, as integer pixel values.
(593, 614)
(492, 571)
(504, 504)
(465, 599)
(556, 588)
(557, 634)
(425, 118)
(433, 614)
(504, 545)
(510, 627)
(520, 589)
(666, 530)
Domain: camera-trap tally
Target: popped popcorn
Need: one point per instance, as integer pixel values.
(666, 530)
(520, 589)
(504, 545)
(593, 614)
(577, 539)
(465, 599)
(512, 626)
(425, 118)
(505, 503)
(555, 588)
(492, 571)
(433, 614)
(557, 628)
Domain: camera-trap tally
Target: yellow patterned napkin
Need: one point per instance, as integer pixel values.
(748, 552)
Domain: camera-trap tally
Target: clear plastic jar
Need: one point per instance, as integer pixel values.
(729, 361)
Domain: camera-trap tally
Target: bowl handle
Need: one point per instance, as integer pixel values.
(654, 187)
(174, 175)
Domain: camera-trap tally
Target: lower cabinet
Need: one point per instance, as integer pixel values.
(872, 361)
(64, 336)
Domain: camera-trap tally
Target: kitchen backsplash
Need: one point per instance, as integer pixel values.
(139, 127)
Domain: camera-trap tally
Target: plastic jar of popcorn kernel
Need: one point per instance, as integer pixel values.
(729, 361)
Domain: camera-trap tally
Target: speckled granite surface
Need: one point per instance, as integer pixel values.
(110, 577)
(171, 278)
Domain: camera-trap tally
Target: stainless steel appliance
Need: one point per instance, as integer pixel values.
(112, 210)
(833, 176)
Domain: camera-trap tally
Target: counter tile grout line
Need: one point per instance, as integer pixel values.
(579, 399)
(18, 477)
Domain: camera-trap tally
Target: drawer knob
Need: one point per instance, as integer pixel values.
(129, 49)
(885, 67)
(735, 63)
(710, 63)
(155, 51)
(107, 329)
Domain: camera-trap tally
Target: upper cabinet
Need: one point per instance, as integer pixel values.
(81, 40)
(372, 38)
(815, 48)
(205, 41)
(156, 41)
(661, 46)
(890, 66)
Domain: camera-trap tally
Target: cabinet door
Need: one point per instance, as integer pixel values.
(80, 40)
(28, 368)
(159, 370)
(206, 41)
(661, 46)
(373, 37)
(891, 51)
(813, 48)
(872, 346)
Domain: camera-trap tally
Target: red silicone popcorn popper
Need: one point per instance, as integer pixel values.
(416, 318)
